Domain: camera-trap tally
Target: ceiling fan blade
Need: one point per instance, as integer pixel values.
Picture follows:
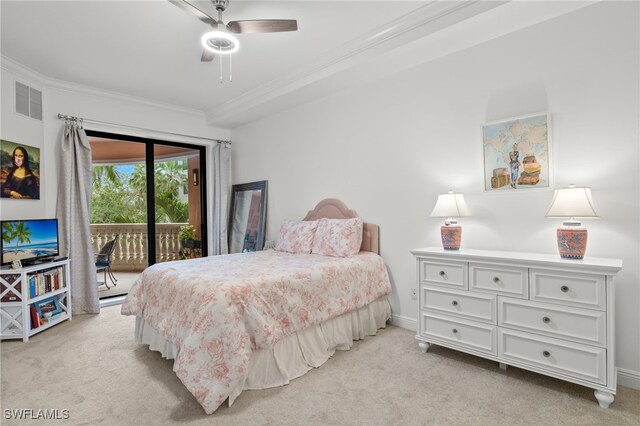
(186, 6)
(207, 56)
(263, 26)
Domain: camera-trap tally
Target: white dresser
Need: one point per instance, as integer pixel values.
(534, 311)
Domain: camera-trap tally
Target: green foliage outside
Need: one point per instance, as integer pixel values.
(187, 232)
(121, 198)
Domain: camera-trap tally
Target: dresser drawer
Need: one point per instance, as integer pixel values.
(507, 280)
(474, 306)
(578, 325)
(583, 290)
(447, 274)
(568, 358)
(476, 336)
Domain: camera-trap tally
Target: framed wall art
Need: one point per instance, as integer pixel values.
(48, 307)
(517, 153)
(19, 171)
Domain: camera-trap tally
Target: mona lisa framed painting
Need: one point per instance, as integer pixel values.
(517, 153)
(19, 171)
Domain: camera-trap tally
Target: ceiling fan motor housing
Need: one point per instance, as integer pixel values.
(220, 5)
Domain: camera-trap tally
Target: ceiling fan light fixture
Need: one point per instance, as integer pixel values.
(220, 42)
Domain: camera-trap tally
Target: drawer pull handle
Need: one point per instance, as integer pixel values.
(546, 320)
(496, 279)
(442, 273)
(564, 289)
(546, 354)
(455, 330)
(454, 303)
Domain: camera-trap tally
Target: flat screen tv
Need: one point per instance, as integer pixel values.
(29, 241)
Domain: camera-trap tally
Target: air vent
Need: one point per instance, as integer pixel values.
(22, 99)
(28, 101)
(35, 104)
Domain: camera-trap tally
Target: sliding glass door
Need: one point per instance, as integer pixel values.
(178, 203)
(149, 196)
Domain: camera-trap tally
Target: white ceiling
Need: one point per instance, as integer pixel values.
(151, 49)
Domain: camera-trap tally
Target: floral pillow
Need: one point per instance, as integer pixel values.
(296, 236)
(338, 237)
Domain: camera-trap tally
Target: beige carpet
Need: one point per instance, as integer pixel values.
(122, 287)
(91, 367)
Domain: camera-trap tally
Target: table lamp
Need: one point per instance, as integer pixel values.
(450, 205)
(572, 202)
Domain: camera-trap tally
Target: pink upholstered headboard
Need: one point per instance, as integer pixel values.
(331, 208)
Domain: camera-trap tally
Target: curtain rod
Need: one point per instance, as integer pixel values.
(72, 118)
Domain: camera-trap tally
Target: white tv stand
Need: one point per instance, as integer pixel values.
(23, 289)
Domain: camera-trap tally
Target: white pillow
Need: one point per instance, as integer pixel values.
(296, 236)
(338, 237)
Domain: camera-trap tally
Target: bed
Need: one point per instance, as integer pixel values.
(258, 320)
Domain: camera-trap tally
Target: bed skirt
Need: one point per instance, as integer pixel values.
(297, 353)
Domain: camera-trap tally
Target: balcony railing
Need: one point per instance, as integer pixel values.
(131, 249)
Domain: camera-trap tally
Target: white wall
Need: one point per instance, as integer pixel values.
(387, 149)
(91, 104)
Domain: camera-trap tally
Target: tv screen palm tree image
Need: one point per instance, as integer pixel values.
(29, 240)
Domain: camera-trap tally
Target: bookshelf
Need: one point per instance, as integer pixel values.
(34, 298)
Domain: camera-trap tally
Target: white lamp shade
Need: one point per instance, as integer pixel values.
(450, 205)
(572, 202)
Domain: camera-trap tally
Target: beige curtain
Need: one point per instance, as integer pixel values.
(221, 188)
(74, 216)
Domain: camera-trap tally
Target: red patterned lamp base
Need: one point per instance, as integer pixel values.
(572, 241)
(451, 237)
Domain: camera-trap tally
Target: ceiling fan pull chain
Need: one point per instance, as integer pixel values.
(221, 56)
(230, 69)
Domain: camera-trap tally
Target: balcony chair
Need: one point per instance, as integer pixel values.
(103, 262)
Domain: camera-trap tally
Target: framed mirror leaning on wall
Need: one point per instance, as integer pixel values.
(248, 217)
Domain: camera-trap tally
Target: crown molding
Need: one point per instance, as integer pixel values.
(9, 65)
(421, 22)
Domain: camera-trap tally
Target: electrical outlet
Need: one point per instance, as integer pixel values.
(414, 294)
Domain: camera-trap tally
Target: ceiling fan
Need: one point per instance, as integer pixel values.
(220, 40)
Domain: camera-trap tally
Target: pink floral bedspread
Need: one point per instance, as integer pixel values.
(217, 309)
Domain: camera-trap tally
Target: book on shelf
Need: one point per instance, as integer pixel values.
(35, 319)
(45, 281)
(32, 286)
(52, 278)
(40, 281)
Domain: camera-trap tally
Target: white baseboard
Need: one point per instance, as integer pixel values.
(404, 322)
(629, 378)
